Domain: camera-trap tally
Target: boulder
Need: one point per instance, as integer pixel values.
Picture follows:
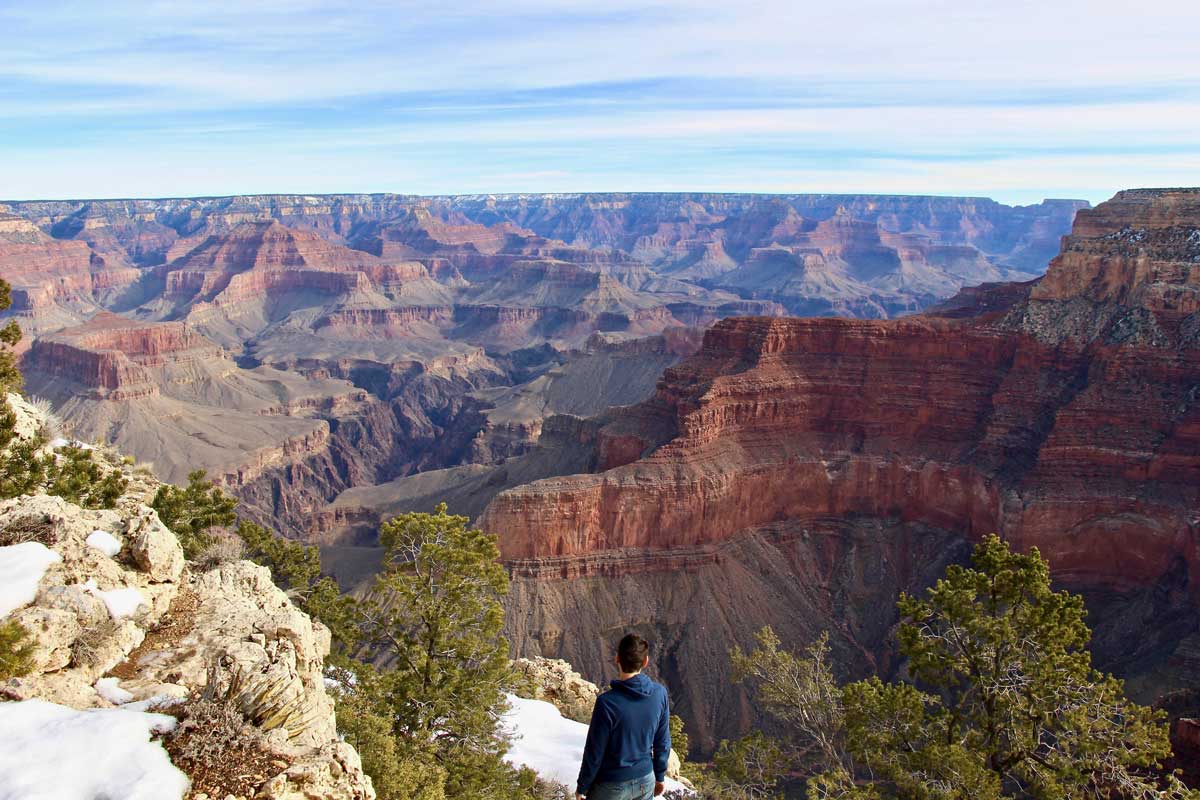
(554, 681)
(53, 631)
(154, 548)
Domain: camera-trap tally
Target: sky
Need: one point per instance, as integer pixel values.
(1015, 100)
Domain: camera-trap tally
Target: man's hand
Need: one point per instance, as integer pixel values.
(659, 788)
(578, 796)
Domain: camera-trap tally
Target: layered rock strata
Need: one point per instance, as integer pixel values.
(1063, 417)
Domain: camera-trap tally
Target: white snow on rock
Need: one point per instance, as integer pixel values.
(549, 744)
(110, 689)
(105, 542)
(122, 603)
(21, 569)
(52, 752)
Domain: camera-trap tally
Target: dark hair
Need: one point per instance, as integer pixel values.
(631, 652)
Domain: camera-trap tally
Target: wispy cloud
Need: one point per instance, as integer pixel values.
(1020, 100)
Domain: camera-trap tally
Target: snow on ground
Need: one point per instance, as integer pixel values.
(548, 743)
(21, 568)
(121, 603)
(51, 752)
(105, 542)
(110, 689)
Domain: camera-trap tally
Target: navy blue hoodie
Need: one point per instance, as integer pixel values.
(630, 734)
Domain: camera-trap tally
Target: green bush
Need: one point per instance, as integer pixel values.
(16, 651)
(78, 477)
(191, 511)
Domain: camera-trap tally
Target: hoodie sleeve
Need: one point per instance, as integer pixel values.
(662, 740)
(593, 750)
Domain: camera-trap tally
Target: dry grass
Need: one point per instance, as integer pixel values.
(37, 528)
(85, 651)
(224, 548)
(52, 427)
(218, 749)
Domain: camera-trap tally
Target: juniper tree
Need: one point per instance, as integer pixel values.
(192, 510)
(435, 615)
(1010, 704)
(1003, 701)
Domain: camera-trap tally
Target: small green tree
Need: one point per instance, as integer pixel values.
(749, 768)
(1006, 703)
(802, 694)
(679, 739)
(16, 650)
(191, 511)
(435, 616)
(78, 477)
(23, 470)
(10, 334)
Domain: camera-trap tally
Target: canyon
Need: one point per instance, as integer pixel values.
(799, 473)
(302, 348)
(685, 415)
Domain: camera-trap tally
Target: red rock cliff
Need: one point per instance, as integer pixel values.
(1087, 448)
(807, 461)
(111, 356)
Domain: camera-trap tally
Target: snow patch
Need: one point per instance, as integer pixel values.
(52, 752)
(110, 689)
(105, 542)
(21, 569)
(548, 743)
(121, 603)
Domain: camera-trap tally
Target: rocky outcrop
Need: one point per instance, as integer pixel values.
(1063, 417)
(555, 682)
(120, 618)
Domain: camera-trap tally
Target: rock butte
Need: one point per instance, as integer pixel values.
(799, 472)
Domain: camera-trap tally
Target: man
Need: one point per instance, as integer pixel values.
(629, 739)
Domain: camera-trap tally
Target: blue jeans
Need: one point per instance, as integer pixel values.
(636, 789)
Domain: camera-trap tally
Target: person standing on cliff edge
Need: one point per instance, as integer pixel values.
(629, 738)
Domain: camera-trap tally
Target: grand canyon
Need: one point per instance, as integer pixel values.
(689, 415)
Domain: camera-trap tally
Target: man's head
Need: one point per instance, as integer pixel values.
(633, 653)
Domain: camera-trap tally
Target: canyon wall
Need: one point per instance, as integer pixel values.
(1063, 416)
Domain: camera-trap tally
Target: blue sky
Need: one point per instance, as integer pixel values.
(1016, 100)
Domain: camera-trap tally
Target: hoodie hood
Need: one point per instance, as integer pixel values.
(638, 686)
